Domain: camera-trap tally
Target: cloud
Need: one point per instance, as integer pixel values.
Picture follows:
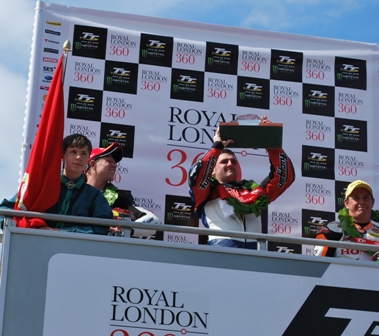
(285, 15)
(12, 110)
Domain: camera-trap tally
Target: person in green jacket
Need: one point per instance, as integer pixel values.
(100, 170)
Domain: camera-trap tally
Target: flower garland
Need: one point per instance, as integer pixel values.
(110, 193)
(255, 207)
(347, 223)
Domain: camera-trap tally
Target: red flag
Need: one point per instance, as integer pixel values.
(40, 187)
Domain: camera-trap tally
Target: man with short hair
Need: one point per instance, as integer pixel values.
(77, 198)
(354, 225)
(101, 169)
(223, 203)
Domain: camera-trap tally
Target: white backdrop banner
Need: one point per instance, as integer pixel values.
(160, 87)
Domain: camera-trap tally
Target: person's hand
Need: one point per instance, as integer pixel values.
(265, 120)
(217, 137)
(115, 229)
(48, 228)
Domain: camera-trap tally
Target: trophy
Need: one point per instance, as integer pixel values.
(248, 131)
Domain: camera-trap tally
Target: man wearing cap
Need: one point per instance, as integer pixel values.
(101, 169)
(354, 225)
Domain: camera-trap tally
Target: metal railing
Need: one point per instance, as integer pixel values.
(127, 225)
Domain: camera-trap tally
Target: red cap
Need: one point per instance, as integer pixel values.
(115, 149)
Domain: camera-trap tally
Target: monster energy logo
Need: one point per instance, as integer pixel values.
(78, 45)
(144, 52)
(307, 230)
(170, 216)
(175, 87)
(340, 201)
(72, 107)
(109, 80)
(104, 143)
(275, 69)
(242, 95)
(307, 102)
(210, 60)
(339, 137)
(306, 165)
(339, 76)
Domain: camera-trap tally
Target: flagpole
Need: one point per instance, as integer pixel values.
(66, 49)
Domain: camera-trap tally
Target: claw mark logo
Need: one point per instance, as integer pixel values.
(170, 216)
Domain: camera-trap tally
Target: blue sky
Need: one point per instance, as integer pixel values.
(337, 19)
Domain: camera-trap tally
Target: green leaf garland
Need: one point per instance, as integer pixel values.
(256, 208)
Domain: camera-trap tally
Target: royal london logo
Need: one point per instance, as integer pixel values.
(286, 91)
(83, 130)
(159, 310)
(154, 76)
(350, 161)
(317, 189)
(349, 98)
(317, 125)
(317, 64)
(188, 48)
(283, 217)
(254, 56)
(122, 40)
